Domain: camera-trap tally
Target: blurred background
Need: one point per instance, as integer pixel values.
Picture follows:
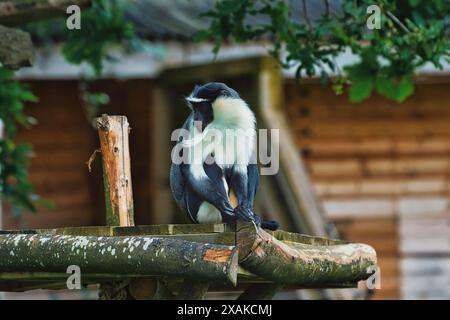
(374, 171)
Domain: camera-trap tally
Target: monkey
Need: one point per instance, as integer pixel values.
(217, 186)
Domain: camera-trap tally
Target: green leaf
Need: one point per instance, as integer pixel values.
(397, 90)
(361, 89)
(414, 3)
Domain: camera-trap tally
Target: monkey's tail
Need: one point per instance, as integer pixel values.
(269, 224)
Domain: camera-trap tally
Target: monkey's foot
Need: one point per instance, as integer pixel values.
(244, 213)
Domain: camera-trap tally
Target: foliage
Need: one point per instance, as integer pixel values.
(92, 102)
(411, 34)
(103, 25)
(14, 183)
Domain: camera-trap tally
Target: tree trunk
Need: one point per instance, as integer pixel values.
(134, 255)
(302, 264)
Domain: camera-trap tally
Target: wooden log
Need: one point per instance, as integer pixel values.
(113, 132)
(19, 12)
(302, 264)
(16, 49)
(138, 255)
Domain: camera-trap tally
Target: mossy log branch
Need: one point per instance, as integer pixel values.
(302, 264)
(113, 132)
(138, 255)
(16, 48)
(20, 12)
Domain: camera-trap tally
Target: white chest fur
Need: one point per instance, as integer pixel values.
(230, 137)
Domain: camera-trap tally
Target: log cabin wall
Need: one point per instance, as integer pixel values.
(382, 171)
(63, 141)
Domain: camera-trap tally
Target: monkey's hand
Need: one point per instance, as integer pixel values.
(244, 213)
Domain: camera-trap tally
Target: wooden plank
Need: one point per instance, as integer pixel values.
(425, 287)
(403, 166)
(389, 265)
(177, 230)
(367, 227)
(424, 228)
(432, 245)
(359, 208)
(315, 101)
(384, 207)
(417, 205)
(374, 147)
(381, 187)
(423, 266)
(373, 128)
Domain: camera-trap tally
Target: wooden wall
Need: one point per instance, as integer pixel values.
(382, 170)
(63, 141)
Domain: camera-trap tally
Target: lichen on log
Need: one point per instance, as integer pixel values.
(139, 255)
(302, 264)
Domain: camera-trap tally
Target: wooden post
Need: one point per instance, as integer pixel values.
(113, 132)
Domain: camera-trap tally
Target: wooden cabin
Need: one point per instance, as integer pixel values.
(381, 170)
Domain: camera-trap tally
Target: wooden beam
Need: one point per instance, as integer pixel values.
(20, 12)
(16, 49)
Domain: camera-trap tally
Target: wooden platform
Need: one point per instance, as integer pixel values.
(216, 234)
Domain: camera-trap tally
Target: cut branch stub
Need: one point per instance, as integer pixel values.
(113, 132)
(135, 255)
(16, 48)
(302, 264)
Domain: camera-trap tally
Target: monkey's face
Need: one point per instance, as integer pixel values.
(203, 114)
(202, 99)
